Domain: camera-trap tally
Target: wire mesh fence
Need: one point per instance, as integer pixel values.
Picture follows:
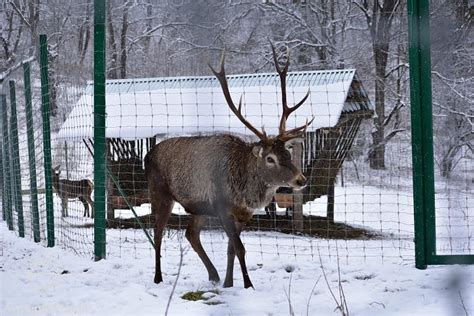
(452, 133)
(376, 210)
(359, 198)
(72, 228)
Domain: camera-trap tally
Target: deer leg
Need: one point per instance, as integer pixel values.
(89, 200)
(162, 209)
(234, 239)
(229, 277)
(192, 234)
(271, 209)
(63, 207)
(86, 206)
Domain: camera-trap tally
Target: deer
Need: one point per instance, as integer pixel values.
(73, 189)
(223, 176)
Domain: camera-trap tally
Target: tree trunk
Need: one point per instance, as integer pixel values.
(112, 67)
(84, 35)
(377, 156)
(123, 40)
(149, 14)
(379, 24)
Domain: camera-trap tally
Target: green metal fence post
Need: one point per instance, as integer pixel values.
(16, 160)
(422, 131)
(99, 130)
(2, 181)
(31, 153)
(6, 163)
(46, 138)
(2, 176)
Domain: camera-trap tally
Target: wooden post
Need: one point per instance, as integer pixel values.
(330, 207)
(110, 214)
(298, 224)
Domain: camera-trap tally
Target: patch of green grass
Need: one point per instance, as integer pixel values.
(193, 296)
(199, 296)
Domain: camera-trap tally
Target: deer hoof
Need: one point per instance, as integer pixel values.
(214, 278)
(158, 280)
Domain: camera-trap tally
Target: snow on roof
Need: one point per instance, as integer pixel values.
(142, 108)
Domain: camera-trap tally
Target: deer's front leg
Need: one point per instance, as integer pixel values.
(233, 230)
(229, 277)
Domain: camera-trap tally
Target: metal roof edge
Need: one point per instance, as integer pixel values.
(243, 75)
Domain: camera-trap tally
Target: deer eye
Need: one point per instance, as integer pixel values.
(270, 160)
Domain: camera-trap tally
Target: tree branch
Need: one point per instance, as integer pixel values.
(20, 14)
(7, 72)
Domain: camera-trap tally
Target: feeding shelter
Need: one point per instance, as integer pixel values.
(140, 112)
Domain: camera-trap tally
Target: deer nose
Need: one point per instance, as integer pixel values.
(301, 181)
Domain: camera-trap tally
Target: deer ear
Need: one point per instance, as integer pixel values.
(257, 151)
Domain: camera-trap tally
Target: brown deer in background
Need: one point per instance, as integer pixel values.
(222, 176)
(73, 189)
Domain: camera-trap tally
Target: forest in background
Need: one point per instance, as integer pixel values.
(151, 38)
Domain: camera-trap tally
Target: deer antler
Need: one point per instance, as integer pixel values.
(285, 135)
(237, 111)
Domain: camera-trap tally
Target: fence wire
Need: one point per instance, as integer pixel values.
(453, 132)
(371, 211)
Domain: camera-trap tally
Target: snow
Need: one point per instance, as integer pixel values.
(51, 281)
(378, 276)
(141, 114)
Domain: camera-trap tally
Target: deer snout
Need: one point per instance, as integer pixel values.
(299, 182)
(302, 181)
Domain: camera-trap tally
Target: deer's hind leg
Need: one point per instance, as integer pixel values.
(64, 212)
(160, 206)
(86, 206)
(192, 234)
(91, 203)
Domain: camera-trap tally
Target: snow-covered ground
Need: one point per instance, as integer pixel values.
(378, 276)
(51, 281)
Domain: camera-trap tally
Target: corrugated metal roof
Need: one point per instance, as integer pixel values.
(357, 98)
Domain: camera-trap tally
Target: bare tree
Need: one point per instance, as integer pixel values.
(453, 82)
(166, 38)
(84, 33)
(379, 16)
(314, 27)
(19, 33)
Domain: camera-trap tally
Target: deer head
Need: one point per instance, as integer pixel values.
(273, 153)
(55, 176)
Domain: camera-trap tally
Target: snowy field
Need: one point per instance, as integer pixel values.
(378, 277)
(51, 281)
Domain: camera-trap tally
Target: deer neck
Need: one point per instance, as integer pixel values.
(56, 184)
(253, 191)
